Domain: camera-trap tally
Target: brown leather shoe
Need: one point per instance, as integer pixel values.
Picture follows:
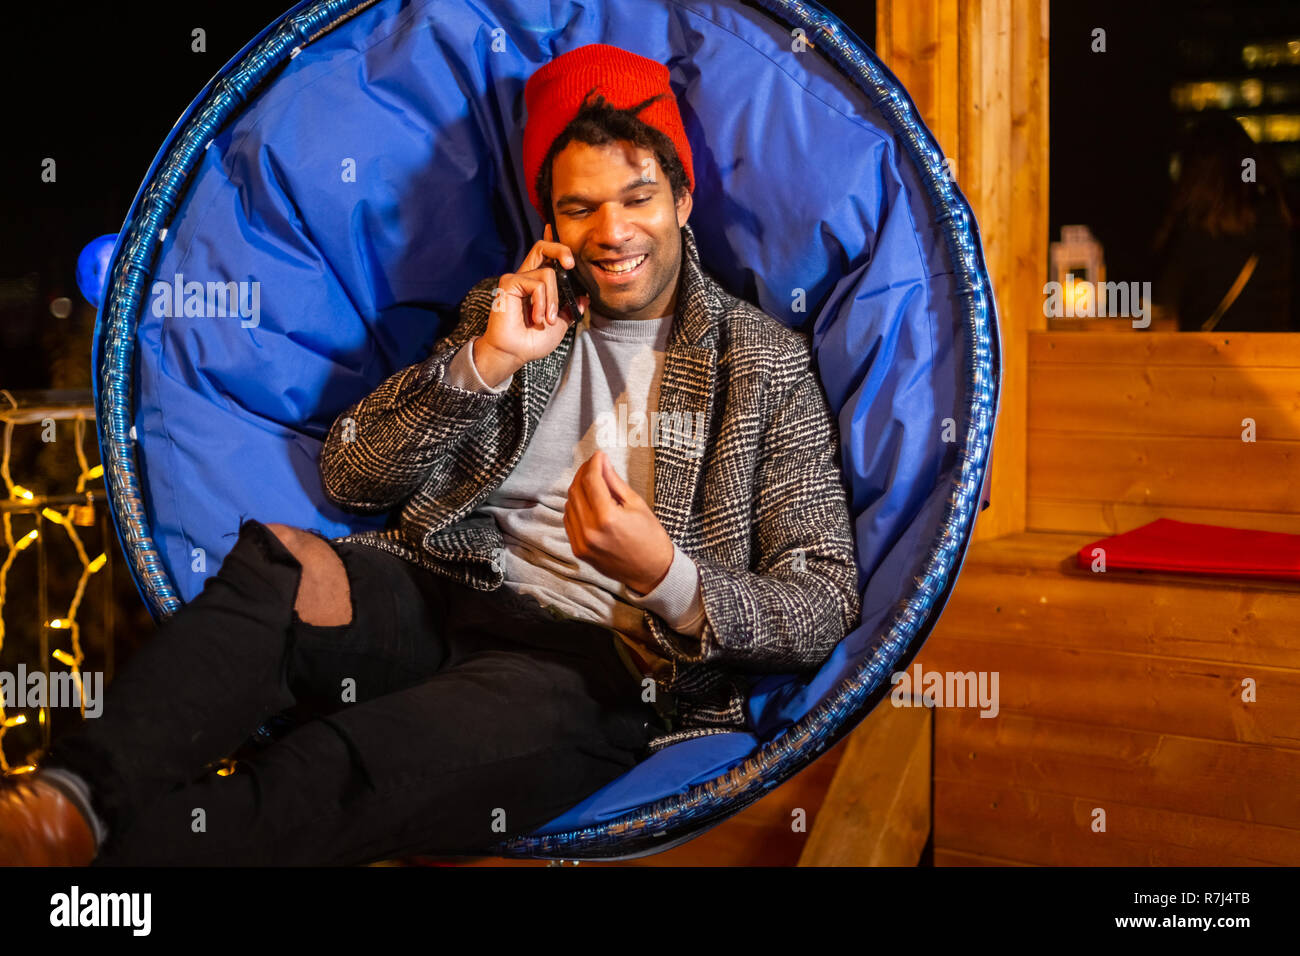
(40, 826)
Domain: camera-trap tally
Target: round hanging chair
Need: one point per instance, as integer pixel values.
(359, 160)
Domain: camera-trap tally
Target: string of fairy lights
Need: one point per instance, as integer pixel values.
(73, 515)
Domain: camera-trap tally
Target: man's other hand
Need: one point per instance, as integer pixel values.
(613, 529)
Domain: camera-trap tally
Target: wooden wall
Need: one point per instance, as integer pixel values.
(1127, 692)
(1127, 427)
(1122, 693)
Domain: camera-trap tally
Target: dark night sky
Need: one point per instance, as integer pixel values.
(66, 80)
(1113, 126)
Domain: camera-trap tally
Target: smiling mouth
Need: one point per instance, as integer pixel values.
(620, 267)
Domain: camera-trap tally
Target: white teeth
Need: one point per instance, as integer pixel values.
(623, 266)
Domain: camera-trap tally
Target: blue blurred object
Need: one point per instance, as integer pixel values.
(92, 267)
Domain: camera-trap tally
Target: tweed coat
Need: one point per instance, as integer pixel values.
(761, 508)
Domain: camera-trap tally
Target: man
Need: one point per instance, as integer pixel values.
(655, 481)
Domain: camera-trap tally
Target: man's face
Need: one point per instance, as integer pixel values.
(613, 204)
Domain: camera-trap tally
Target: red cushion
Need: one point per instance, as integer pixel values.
(1168, 545)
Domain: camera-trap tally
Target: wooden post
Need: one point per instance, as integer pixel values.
(977, 71)
(877, 810)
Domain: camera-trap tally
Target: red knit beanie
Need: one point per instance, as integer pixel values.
(554, 93)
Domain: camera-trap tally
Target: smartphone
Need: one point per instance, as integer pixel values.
(569, 286)
(567, 282)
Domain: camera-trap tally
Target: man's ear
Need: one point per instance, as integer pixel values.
(684, 206)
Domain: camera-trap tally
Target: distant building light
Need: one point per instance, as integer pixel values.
(1251, 92)
(1272, 128)
(1282, 128)
(1277, 53)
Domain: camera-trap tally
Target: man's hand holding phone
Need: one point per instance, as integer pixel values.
(527, 320)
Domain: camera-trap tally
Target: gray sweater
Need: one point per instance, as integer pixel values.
(603, 399)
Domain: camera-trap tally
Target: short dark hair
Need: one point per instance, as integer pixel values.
(598, 123)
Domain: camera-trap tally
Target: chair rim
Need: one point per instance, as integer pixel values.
(676, 819)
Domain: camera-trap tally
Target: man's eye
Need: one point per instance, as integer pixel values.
(637, 202)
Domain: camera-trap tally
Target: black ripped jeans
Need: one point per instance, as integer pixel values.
(440, 720)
